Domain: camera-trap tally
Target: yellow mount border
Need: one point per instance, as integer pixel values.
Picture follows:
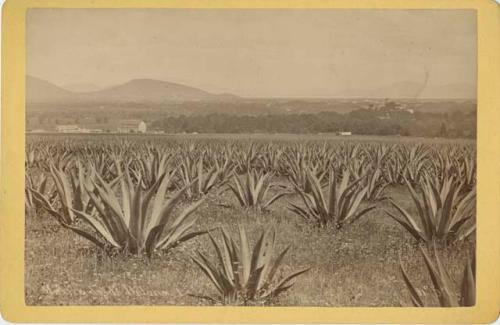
(12, 303)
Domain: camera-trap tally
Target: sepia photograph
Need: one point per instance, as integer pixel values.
(250, 157)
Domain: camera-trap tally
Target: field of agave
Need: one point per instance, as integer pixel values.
(334, 222)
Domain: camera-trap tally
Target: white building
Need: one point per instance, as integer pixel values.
(345, 133)
(70, 128)
(131, 126)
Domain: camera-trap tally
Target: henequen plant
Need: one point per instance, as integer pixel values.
(252, 192)
(443, 213)
(375, 185)
(297, 169)
(339, 205)
(69, 190)
(443, 286)
(198, 180)
(150, 165)
(241, 274)
(142, 222)
(37, 185)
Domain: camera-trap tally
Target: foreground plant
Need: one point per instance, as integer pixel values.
(252, 192)
(443, 213)
(340, 204)
(443, 286)
(70, 192)
(242, 275)
(137, 221)
(37, 186)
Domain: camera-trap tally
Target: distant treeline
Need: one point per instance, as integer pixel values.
(457, 124)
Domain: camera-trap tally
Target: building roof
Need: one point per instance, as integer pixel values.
(67, 126)
(129, 122)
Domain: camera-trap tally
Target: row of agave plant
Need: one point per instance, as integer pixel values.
(141, 199)
(396, 162)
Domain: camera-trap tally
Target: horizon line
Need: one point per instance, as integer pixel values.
(251, 97)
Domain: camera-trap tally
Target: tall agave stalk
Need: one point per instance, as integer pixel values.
(340, 204)
(252, 191)
(443, 214)
(443, 286)
(137, 221)
(241, 274)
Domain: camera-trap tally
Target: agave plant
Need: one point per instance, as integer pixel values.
(417, 159)
(443, 286)
(297, 170)
(252, 192)
(37, 185)
(196, 179)
(142, 222)
(445, 164)
(150, 166)
(443, 214)
(340, 204)
(378, 154)
(270, 160)
(245, 160)
(70, 194)
(224, 167)
(241, 274)
(375, 185)
(467, 171)
(394, 170)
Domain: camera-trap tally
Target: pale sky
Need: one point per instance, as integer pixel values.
(260, 53)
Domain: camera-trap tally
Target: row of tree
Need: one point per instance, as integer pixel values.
(361, 121)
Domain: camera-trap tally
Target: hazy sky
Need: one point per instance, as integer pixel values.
(262, 53)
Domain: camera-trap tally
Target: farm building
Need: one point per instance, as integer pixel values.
(131, 126)
(69, 128)
(345, 133)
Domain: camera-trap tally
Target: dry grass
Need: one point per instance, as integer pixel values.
(358, 266)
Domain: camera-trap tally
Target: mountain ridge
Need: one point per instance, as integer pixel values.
(39, 90)
(147, 90)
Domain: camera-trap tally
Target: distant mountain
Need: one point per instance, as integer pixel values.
(136, 91)
(149, 90)
(82, 87)
(42, 91)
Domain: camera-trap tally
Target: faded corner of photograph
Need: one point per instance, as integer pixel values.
(251, 157)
